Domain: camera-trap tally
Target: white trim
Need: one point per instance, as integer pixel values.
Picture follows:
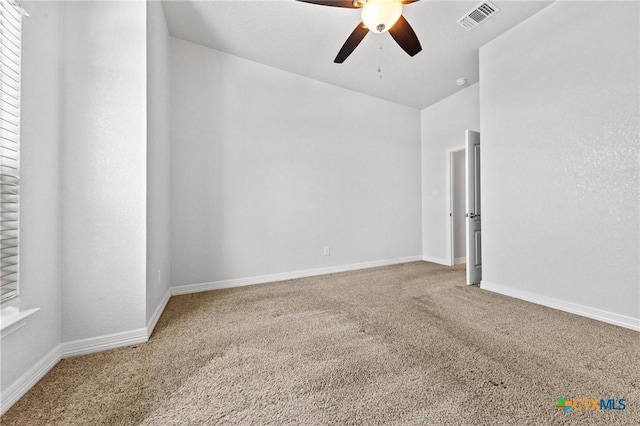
(460, 260)
(449, 198)
(438, 260)
(562, 305)
(12, 319)
(239, 282)
(156, 315)
(17, 389)
(27, 7)
(104, 343)
(75, 348)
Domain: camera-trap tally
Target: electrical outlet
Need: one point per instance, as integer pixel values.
(327, 251)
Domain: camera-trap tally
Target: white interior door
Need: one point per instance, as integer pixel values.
(472, 216)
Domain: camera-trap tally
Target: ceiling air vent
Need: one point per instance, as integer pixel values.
(477, 15)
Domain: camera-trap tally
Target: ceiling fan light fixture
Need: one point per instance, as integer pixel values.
(380, 15)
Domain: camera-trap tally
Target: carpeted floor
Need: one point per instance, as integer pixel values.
(406, 344)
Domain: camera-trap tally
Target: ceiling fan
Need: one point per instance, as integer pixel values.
(377, 16)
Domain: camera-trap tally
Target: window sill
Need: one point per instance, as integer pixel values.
(12, 319)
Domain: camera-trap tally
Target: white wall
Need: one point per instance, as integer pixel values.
(40, 192)
(104, 169)
(158, 159)
(269, 167)
(443, 126)
(560, 150)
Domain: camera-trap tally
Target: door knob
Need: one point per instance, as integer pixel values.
(472, 215)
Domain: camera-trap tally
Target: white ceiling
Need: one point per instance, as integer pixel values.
(304, 39)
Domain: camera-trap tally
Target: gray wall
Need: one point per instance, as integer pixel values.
(158, 159)
(87, 169)
(269, 167)
(104, 169)
(443, 126)
(560, 150)
(40, 194)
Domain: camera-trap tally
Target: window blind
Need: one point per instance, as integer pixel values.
(10, 40)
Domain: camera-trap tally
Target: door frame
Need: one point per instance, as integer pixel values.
(449, 185)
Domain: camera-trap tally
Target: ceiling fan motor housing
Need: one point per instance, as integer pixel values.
(377, 16)
(380, 15)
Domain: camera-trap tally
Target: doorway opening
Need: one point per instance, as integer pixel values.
(456, 230)
(464, 231)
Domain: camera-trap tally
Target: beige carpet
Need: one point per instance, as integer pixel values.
(406, 344)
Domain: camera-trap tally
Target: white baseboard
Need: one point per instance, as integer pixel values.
(261, 279)
(156, 315)
(437, 260)
(574, 308)
(76, 348)
(17, 389)
(460, 260)
(104, 343)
